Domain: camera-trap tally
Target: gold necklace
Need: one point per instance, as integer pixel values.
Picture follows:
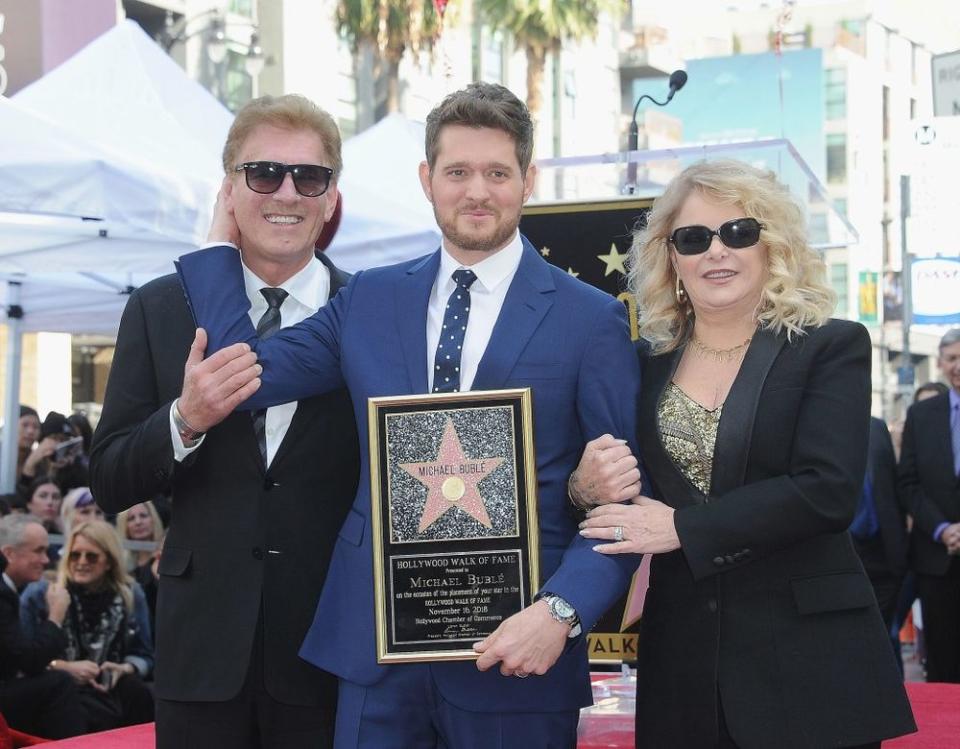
(719, 354)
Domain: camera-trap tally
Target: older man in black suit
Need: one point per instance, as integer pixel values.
(930, 477)
(258, 498)
(33, 699)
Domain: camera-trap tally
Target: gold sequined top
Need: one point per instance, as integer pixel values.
(689, 433)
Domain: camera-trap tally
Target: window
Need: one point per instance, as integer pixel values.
(491, 58)
(241, 7)
(835, 93)
(237, 83)
(836, 157)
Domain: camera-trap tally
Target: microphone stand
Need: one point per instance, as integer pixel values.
(678, 79)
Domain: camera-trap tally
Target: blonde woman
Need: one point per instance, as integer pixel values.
(140, 523)
(760, 627)
(109, 649)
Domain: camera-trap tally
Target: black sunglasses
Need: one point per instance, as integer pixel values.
(91, 557)
(735, 234)
(265, 177)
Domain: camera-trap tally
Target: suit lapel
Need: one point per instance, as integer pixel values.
(939, 429)
(739, 410)
(657, 374)
(412, 298)
(528, 300)
(338, 279)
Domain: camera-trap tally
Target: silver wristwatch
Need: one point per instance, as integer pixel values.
(561, 610)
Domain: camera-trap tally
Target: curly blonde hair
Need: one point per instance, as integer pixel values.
(795, 295)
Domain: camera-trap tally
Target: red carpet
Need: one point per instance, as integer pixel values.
(935, 706)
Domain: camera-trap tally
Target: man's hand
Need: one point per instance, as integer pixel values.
(607, 473)
(58, 601)
(529, 642)
(213, 387)
(223, 226)
(951, 538)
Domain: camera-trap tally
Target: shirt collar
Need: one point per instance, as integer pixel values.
(8, 581)
(491, 271)
(954, 399)
(303, 285)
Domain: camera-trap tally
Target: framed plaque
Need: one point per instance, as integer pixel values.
(454, 517)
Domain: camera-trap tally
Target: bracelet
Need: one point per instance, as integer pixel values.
(187, 432)
(575, 499)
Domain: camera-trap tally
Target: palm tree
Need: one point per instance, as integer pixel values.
(387, 29)
(540, 26)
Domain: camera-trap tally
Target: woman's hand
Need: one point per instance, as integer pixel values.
(117, 671)
(645, 527)
(83, 672)
(44, 449)
(607, 473)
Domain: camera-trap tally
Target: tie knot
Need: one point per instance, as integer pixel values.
(464, 278)
(273, 296)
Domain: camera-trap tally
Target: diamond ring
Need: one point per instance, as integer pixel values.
(618, 533)
(521, 674)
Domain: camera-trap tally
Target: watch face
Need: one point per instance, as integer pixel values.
(562, 609)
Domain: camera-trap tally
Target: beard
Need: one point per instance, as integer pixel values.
(495, 239)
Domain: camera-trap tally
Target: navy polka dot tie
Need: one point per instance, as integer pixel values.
(446, 364)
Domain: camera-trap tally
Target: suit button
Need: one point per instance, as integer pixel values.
(712, 605)
(730, 559)
(719, 561)
(257, 552)
(268, 483)
(746, 552)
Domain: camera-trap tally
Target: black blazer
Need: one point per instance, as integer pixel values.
(927, 480)
(239, 535)
(18, 653)
(766, 603)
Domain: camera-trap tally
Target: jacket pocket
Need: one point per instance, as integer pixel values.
(352, 529)
(174, 562)
(839, 591)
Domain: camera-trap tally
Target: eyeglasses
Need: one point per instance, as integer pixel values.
(265, 177)
(735, 234)
(90, 557)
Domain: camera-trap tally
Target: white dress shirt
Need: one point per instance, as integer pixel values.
(487, 293)
(8, 581)
(308, 290)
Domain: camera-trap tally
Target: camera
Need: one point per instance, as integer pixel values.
(68, 449)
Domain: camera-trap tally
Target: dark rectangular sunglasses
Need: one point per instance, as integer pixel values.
(735, 234)
(265, 177)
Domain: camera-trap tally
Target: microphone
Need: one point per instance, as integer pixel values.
(678, 79)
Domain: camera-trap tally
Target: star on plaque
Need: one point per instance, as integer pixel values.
(572, 272)
(545, 251)
(451, 481)
(614, 261)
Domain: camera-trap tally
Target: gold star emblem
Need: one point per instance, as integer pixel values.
(545, 251)
(452, 481)
(573, 273)
(614, 261)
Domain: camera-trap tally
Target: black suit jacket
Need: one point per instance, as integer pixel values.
(889, 553)
(20, 654)
(927, 480)
(766, 603)
(239, 535)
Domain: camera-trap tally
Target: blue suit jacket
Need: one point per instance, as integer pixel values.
(566, 340)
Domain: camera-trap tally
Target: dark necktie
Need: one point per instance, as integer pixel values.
(446, 363)
(268, 325)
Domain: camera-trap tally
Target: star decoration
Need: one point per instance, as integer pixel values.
(573, 273)
(545, 251)
(452, 481)
(614, 261)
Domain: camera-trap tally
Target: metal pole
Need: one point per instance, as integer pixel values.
(11, 391)
(905, 373)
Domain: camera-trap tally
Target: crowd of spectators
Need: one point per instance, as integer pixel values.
(78, 591)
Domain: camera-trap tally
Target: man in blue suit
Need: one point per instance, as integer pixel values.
(509, 320)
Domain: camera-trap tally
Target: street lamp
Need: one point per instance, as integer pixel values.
(215, 41)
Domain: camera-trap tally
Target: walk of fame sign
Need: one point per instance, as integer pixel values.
(455, 537)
